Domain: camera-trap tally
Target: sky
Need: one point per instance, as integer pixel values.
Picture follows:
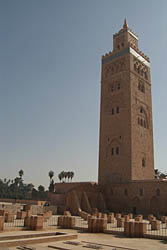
(50, 64)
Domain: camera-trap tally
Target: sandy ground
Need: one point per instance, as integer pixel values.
(97, 241)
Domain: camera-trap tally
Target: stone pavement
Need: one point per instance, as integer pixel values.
(98, 241)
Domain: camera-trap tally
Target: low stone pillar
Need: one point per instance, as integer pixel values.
(29, 213)
(27, 220)
(151, 217)
(130, 216)
(155, 225)
(2, 212)
(72, 222)
(95, 210)
(38, 223)
(138, 218)
(142, 228)
(118, 216)
(131, 228)
(1, 223)
(120, 222)
(164, 219)
(99, 215)
(9, 218)
(110, 219)
(136, 233)
(21, 214)
(102, 225)
(126, 217)
(67, 213)
(126, 228)
(104, 216)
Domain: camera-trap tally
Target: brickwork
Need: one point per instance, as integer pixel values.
(126, 134)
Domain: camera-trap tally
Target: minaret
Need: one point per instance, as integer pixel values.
(126, 132)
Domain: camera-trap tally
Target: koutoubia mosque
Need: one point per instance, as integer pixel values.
(126, 181)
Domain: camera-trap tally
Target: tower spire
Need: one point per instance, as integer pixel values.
(125, 26)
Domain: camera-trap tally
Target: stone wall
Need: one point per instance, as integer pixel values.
(146, 197)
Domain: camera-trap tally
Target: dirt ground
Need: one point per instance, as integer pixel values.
(96, 241)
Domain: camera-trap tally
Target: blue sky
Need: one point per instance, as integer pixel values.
(50, 61)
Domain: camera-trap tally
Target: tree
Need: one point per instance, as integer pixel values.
(68, 175)
(65, 175)
(51, 174)
(159, 175)
(60, 177)
(41, 188)
(72, 175)
(51, 186)
(21, 173)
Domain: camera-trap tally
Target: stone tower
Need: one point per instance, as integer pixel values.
(126, 132)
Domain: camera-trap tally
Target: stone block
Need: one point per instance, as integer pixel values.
(132, 229)
(120, 222)
(21, 214)
(104, 216)
(9, 218)
(118, 216)
(130, 216)
(164, 219)
(1, 223)
(126, 228)
(136, 233)
(138, 218)
(27, 220)
(142, 228)
(151, 217)
(67, 213)
(110, 219)
(38, 223)
(126, 217)
(102, 225)
(155, 225)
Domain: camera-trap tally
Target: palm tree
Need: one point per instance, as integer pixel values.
(21, 173)
(68, 175)
(65, 175)
(51, 174)
(72, 175)
(60, 176)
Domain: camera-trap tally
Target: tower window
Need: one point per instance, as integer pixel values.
(125, 192)
(117, 150)
(138, 120)
(158, 192)
(118, 46)
(119, 85)
(141, 192)
(143, 162)
(112, 88)
(112, 151)
(142, 122)
(117, 109)
(122, 44)
(112, 111)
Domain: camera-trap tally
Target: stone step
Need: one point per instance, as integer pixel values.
(38, 239)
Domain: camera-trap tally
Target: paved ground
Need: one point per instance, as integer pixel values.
(97, 241)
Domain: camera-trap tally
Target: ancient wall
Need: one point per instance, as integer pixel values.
(143, 197)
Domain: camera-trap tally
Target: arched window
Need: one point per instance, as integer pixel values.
(138, 120)
(112, 151)
(141, 192)
(158, 192)
(142, 122)
(143, 162)
(117, 150)
(125, 192)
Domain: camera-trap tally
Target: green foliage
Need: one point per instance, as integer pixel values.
(159, 175)
(63, 175)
